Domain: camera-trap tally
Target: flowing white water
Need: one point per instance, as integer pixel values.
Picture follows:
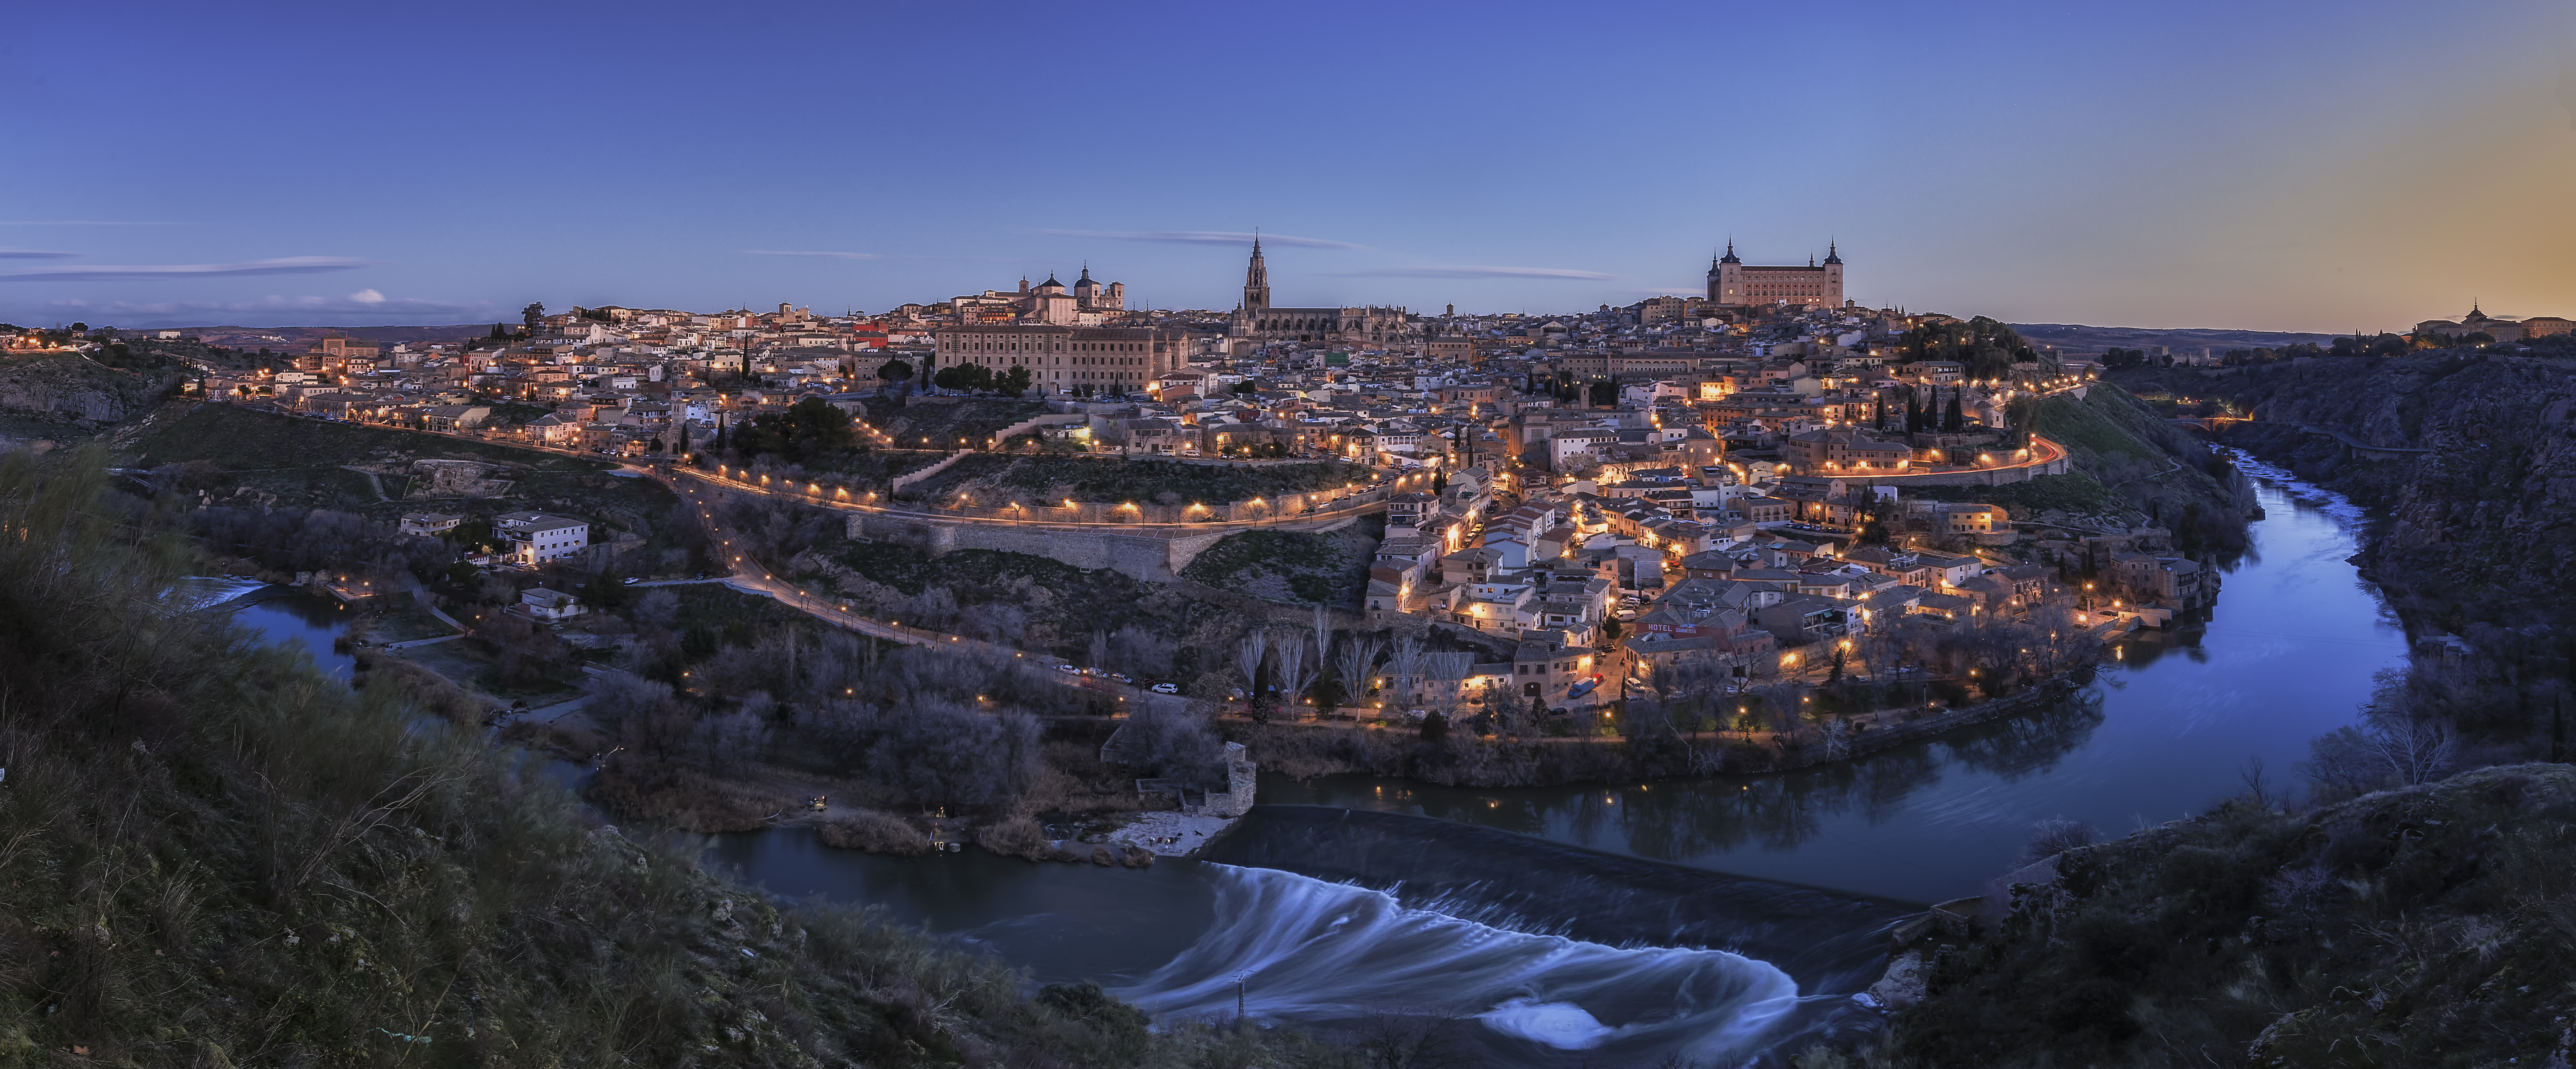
(1312, 951)
(207, 591)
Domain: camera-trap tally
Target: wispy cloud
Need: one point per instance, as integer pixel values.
(1481, 272)
(1207, 237)
(34, 254)
(365, 302)
(792, 252)
(289, 265)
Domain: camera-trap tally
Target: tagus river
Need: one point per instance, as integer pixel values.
(1612, 925)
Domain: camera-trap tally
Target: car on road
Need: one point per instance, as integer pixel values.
(1120, 676)
(1068, 668)
(634, 579)
(1167, 688)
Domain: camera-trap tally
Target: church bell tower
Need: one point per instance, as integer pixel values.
(1256, 281)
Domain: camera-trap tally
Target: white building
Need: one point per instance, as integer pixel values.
(536, 538)
(543, 604)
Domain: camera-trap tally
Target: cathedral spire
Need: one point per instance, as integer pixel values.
(1256, 279)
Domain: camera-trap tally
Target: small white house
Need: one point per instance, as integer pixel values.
(429, 524)
(543, 604)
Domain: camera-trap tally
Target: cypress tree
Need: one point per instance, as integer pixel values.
(1950, 420)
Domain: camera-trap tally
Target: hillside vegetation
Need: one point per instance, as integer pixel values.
(2433, 925)
(997, 478)
(211, 855)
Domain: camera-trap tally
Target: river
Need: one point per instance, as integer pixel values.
(285, 615)
(1716, 918)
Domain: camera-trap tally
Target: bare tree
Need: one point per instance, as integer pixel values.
(2049, 838)
(1290, 667)
(1404, 666)
(1100, 649)
(1835, 735)
(1248, 655)
(1353, 664)
(2415, 749)
(1323, 636)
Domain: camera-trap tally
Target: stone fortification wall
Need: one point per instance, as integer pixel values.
(1240, 778)
(911, 477)
(1153, 557)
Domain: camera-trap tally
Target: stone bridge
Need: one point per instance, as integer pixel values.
(2352, 446)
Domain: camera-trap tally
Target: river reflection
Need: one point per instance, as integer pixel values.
(2163, 732)
(283, 615)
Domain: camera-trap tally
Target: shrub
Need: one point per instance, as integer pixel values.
(874, 832)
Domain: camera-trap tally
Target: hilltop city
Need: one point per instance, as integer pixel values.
(1743, 481)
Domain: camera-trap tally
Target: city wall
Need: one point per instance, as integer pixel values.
(1153, 557)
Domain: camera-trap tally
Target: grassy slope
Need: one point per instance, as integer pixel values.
(1118, 479)
(237, 438)
(2428, 926)
(1330, 568)
(2127, 447)
(213, 856)
(305, 463)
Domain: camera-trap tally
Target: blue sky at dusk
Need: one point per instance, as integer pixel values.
(2314, 166)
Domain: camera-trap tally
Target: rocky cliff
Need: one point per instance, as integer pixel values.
(2479, 528)
(55, 395)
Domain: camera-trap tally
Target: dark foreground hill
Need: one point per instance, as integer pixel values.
(211, 855)
(2429, 926)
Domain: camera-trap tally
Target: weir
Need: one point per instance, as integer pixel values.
(1535, 885)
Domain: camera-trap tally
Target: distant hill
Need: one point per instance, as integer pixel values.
(298, 338)
(2075, 338)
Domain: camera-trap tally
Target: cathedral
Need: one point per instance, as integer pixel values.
(1734, 284)
(1257, 320)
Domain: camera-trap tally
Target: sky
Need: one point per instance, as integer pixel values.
(2360, 164)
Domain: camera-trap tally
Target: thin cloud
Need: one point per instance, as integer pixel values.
(34, 254)
(792, 252)
(1481, 272)
(363, 302)
(1207, 237)
(289, 265)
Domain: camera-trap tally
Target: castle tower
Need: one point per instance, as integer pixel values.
(1726, 278)
(1256, 281)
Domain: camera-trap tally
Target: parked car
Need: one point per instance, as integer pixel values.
(1068, 668)
(1121, 677)
(634, 579)
(1167, 688)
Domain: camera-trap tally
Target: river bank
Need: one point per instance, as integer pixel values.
(1307, 751)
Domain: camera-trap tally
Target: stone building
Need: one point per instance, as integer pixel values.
(1735, 284)
(1060, 358)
